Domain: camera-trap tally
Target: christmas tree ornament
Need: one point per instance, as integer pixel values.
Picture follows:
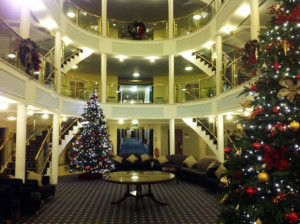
(290, 89)
(275, 110)
(258, 221)
(256, 145)
(253, 88)
(276, 65)
(253, 73)
(250, 191)
(239, 127)
(298, 77)
(292, 217)
(263, 177)
(294, 125)
(227, 151)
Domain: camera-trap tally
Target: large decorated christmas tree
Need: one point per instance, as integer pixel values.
(91, 150)
(265, 173)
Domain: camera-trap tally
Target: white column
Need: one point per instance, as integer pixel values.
(172, 136)
(254, 19)
(21, 142)
(57, 61)
(220, 133)
(216, 5)
(55, 142)
(104, 17)
(103, 77)
(219, 64)
(171, 18)
(25, 21)
(171, 79)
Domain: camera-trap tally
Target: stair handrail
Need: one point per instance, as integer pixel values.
(6, 140)
(215, 137)
(43, 143)
(212, 64)
(46, 55)
(71, 55)
(7, 162)
(230, 64)
(66, 129)
(230, 139)
(46, 161)
(34, 134)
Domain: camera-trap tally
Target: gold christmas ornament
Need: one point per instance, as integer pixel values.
(245, 104)
(294, 125)
(91, 150)
(263, 177)
(258, 221)
(239, 127)
(224, 198)
(290, 89)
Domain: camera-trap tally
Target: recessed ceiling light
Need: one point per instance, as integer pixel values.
(66, 40)
(134, 121)
(49, 24)
(45, 116)
(209, 44)
(11, 118)
(64, 118)
(228, 29)
(188, 68)
(136, 74)
(74, 66)
(11, 55)
(3, 106)
(243, 11)
(152, 58)
(30, 112)
(183, 90)
(121, 121)
(121, 57)
(229, 117)
(196, 17)
(71, 14)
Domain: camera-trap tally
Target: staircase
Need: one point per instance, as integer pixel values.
(68, 134)
(203, 133)
(75, 58)
(32, 149)
(201, 62)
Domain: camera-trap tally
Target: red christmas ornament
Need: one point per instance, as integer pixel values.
(87, 167)
(298, 77)
(227, 151)
(256, 145)
(250, 191)
(253, 88)
(268, 47)
(275, 110)
(292, 217)
(276, 66)
(253, 73)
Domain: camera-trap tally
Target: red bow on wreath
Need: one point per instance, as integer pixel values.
(275, 157)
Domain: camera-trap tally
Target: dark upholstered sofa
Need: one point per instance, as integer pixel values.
(174, 160)
(126, 165)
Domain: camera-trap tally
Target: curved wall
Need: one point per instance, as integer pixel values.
(81, 38)
(18, 86)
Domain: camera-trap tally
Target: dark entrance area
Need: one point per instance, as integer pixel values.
(135, 141)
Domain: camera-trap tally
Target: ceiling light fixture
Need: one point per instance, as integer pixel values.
(64, 118)
(229, 117)
(71, 14)
(11, 118)
(121, 57)
(49, 24)
(133, 88)
(209, 44)
(30, 112)
(243, 11)
(136, 74)
(152, 58)
(134, 122)
(228, 29)
(11, 55)
(121, 121)
(74, 66)
(188, 68)
(45, 116)
(196, 17)
(3, 106)
(66, 40)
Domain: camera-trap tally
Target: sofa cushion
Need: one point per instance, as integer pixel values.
(162, 159)
(117, 159)
(132, 158)
(35, 176)
(190, 162)
(176, 159)
(213, 165)
(219, 172)
(145, 157)
(203, 163)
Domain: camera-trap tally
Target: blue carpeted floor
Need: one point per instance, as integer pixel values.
(132, 145)
(88, 201)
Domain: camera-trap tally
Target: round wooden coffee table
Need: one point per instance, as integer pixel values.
(138, 178)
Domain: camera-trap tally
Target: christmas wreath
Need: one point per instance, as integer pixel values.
(136, 30)
(249, 57)
(29, 56)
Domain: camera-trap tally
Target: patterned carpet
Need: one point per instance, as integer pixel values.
(88, 201)
(133, 145)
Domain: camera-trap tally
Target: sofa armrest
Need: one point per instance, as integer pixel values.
(33, 184)
(211, 173)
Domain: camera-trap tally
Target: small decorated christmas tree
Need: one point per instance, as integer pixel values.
(264, 172)
(91, 151)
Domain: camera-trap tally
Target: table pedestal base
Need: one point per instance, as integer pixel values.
(138, 194)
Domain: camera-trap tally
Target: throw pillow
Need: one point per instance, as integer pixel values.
(220, 171)
(35, 176)
(11, 176)
(213, 165)
(190, 161)
(132, 158)
(145, 157)
(162, 159)
(117, 159)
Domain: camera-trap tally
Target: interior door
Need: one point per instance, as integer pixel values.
(178, 141)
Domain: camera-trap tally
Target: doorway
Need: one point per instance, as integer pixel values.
(178, 142)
